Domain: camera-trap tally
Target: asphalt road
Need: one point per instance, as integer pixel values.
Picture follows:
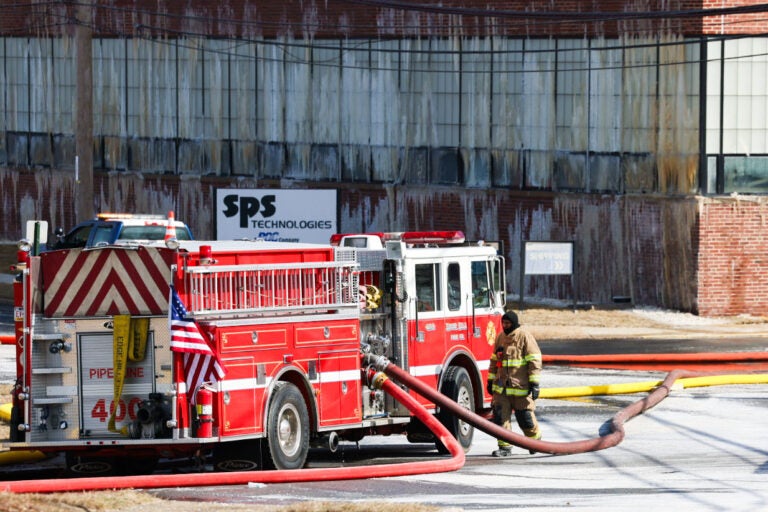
(703, 448)
(6, 316)
(735, 342)
(700, 449)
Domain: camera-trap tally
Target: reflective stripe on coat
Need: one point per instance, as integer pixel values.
(520, 363)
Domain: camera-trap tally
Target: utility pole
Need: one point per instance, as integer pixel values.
(84, 112)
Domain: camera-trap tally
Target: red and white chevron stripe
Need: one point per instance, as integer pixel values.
(106, 282)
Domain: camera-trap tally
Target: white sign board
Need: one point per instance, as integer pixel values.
(41, 226)
(550, 258)
(276, 215)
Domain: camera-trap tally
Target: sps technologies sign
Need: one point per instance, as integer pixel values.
(276, 215)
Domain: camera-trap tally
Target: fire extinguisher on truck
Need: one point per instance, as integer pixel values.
(246, 353)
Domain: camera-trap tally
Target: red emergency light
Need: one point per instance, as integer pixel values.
(433, 237)
(206, 255)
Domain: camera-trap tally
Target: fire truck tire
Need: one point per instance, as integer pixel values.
(458, 387)
(287, 428)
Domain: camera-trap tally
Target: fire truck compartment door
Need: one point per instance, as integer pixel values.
(97, 376)
(338, 389)
(243, 397)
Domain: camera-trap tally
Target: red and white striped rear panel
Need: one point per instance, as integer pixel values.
(106, 281)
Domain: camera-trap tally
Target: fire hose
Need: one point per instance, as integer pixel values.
(675, 379)
(613, 438)
(379, 380)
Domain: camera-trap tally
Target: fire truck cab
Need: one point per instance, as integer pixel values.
(103, 378)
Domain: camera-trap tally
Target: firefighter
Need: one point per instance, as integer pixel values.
(513, 380)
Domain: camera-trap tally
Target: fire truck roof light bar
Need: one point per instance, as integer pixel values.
(410, 237)
(114, 216)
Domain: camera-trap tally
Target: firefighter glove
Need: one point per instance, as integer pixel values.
(489, 387)
(533, 390)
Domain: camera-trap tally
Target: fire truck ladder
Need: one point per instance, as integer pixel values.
(295, 288)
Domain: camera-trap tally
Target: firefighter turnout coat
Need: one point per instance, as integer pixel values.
(515, 363)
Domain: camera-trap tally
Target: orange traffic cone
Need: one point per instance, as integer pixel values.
(170, 227)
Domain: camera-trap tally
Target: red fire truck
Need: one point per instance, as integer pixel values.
(245, 353)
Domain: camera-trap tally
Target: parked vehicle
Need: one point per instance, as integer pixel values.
(246, 352)
(120, 228)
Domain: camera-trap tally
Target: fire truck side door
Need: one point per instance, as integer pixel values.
(426, 321)
(457, 312)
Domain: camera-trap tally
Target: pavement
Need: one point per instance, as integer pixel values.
(724, 331)
(700, 449)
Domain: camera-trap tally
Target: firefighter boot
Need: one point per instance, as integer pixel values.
(503, 451)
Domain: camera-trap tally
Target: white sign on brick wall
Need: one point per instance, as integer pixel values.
(276, 215)
(548, 258)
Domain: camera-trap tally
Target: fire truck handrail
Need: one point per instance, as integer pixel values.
(233, 314)
(211, 269)
(257, 289)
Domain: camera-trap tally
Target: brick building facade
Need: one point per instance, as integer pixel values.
(637, 168)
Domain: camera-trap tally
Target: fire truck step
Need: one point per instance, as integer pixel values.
(51, 371)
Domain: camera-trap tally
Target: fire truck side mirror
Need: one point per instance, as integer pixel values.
(395, 250)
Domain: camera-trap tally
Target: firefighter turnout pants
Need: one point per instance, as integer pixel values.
(523, 408)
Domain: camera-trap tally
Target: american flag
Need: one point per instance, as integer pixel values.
(201, 364)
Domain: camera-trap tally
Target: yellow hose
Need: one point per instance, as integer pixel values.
(5, 412)
(20, 457)
(16, 456)
(717, 380)
(604, 389)
(639, 387)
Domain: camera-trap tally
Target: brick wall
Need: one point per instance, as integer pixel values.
(624, 245)
(733, 258)
(330, 18)
(705, 255)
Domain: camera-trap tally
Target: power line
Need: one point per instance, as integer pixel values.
(378, 46)
(536, 19)
(563, 15)
(368, 47)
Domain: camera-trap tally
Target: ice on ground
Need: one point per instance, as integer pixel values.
(670, 317)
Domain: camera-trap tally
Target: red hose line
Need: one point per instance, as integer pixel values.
(556, 448)
(279, 476)
(385, 470)
(7, 339)
(706, 357)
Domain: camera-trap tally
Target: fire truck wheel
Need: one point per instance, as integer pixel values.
(287, 427)
(458, 387)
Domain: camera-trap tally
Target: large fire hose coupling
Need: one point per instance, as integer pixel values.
(367, 374)
(378, 380)
(378, 362)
